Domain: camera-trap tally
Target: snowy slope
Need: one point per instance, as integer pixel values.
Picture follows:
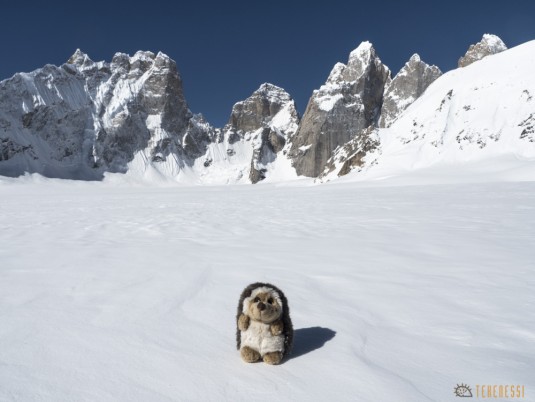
(122, 293)
(471, 115)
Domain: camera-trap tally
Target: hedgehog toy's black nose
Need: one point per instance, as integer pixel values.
(261, 306)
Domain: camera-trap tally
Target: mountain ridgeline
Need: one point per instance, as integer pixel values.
(85, 120)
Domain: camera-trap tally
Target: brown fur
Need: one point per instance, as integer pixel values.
(243, 322)
(249, 355)
(276, 327)
(272, 358)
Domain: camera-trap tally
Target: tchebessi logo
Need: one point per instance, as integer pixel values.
(463, 391)
(486, 391)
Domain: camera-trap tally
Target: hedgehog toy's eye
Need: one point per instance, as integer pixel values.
(256, 299)
(270, 300)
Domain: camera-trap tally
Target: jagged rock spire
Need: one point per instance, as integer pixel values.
(407, 86)
(268, 118)
(79, 58)
(348, 103)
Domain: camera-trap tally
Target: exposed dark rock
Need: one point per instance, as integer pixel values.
(270, 143)
(351, 155)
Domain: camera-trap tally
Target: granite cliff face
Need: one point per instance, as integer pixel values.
(349, 102)
(407, 86)
(489, 44)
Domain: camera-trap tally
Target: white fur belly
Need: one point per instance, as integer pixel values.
(259, 337)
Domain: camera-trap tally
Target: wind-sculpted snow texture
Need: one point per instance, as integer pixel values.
(121, 293)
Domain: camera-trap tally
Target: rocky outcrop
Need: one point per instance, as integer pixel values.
(85, 118)
(352, 155)
(261, 108)
(348, 103)
(489, 44)
(407, 86)
(267, 119)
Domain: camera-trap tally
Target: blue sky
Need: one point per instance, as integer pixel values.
(225, 50)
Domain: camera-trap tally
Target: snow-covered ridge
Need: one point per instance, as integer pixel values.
(476, 114)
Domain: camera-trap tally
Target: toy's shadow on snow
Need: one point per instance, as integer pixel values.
(307, 340)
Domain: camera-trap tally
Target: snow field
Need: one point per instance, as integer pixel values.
(116, 292)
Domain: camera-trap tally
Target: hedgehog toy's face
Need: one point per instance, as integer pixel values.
(263, 305)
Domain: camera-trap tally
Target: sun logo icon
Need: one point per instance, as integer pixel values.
(463, 391)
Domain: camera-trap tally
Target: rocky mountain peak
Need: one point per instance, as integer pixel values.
(120, 61)
(407, 86)
(264, 122)
(80, 59)
(141, 62)
(164, 61)
(335, 75)
(364, 52)
(360, 60)
(494, 42)
(143, 55)
(349, 102)
(260, 108)
(272, 93)
(489, 44)
(415, 58)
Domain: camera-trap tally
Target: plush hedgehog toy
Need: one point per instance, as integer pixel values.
(264, 327)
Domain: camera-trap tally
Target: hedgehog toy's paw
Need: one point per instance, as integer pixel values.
(249, 355)
(273, 358)
(243, 322)
(276, 328)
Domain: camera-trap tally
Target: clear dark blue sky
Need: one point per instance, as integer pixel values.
(226, 49)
